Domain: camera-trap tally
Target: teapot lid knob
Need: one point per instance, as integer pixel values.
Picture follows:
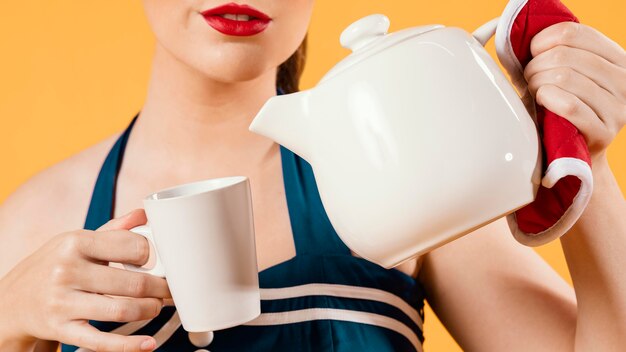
(364, 31)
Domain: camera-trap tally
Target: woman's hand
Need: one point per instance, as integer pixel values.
(580, 74)
(53, 293)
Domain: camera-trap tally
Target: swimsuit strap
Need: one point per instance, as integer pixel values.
(103, 197)
(312, 231)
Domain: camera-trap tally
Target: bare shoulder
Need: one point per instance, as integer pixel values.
(53, 201)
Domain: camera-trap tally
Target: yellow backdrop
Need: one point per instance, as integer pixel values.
(74, 72)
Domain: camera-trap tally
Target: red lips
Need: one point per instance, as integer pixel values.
(248, 20)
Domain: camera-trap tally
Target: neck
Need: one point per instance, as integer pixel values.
(186, 110)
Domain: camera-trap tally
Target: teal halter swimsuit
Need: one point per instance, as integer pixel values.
(323, 299)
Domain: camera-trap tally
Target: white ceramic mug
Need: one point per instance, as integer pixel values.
(203, 235)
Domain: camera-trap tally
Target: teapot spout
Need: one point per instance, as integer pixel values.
(285, 119)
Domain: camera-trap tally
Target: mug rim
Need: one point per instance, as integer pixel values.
(191, 189)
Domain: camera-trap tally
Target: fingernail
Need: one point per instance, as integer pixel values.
(148, 345)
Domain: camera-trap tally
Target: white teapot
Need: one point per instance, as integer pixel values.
(415, 139)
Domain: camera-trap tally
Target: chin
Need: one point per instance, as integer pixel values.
(232, 66)
(240, 71)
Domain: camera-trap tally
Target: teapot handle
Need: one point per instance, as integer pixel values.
(486, 31)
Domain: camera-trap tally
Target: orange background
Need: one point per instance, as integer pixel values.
(74, 72)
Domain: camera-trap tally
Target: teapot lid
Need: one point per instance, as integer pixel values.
(368, 36)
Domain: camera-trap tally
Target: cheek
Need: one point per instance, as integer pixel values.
(289, 31)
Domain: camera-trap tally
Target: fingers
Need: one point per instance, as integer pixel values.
(91, 306)
(126, 222)
(119, 282)
(580, 74)
(602, 102)
(599, 70)
(120, 246)
(82, 334)
(579, 36)
(570, 107)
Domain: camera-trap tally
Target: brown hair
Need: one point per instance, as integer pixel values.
(290, 71)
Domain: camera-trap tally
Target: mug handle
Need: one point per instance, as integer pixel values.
(158, 269)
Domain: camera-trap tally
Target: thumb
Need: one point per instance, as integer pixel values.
(126, 222)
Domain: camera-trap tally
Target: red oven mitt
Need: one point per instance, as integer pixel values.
(567, 182)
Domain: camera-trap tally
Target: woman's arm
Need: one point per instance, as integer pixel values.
(580, 74)
(494, 294)
(595, 250)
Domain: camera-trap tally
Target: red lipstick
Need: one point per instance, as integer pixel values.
(237, 20)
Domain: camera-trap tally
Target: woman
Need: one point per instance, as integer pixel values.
(210, 76)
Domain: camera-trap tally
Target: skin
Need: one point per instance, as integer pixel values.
(492, 293)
